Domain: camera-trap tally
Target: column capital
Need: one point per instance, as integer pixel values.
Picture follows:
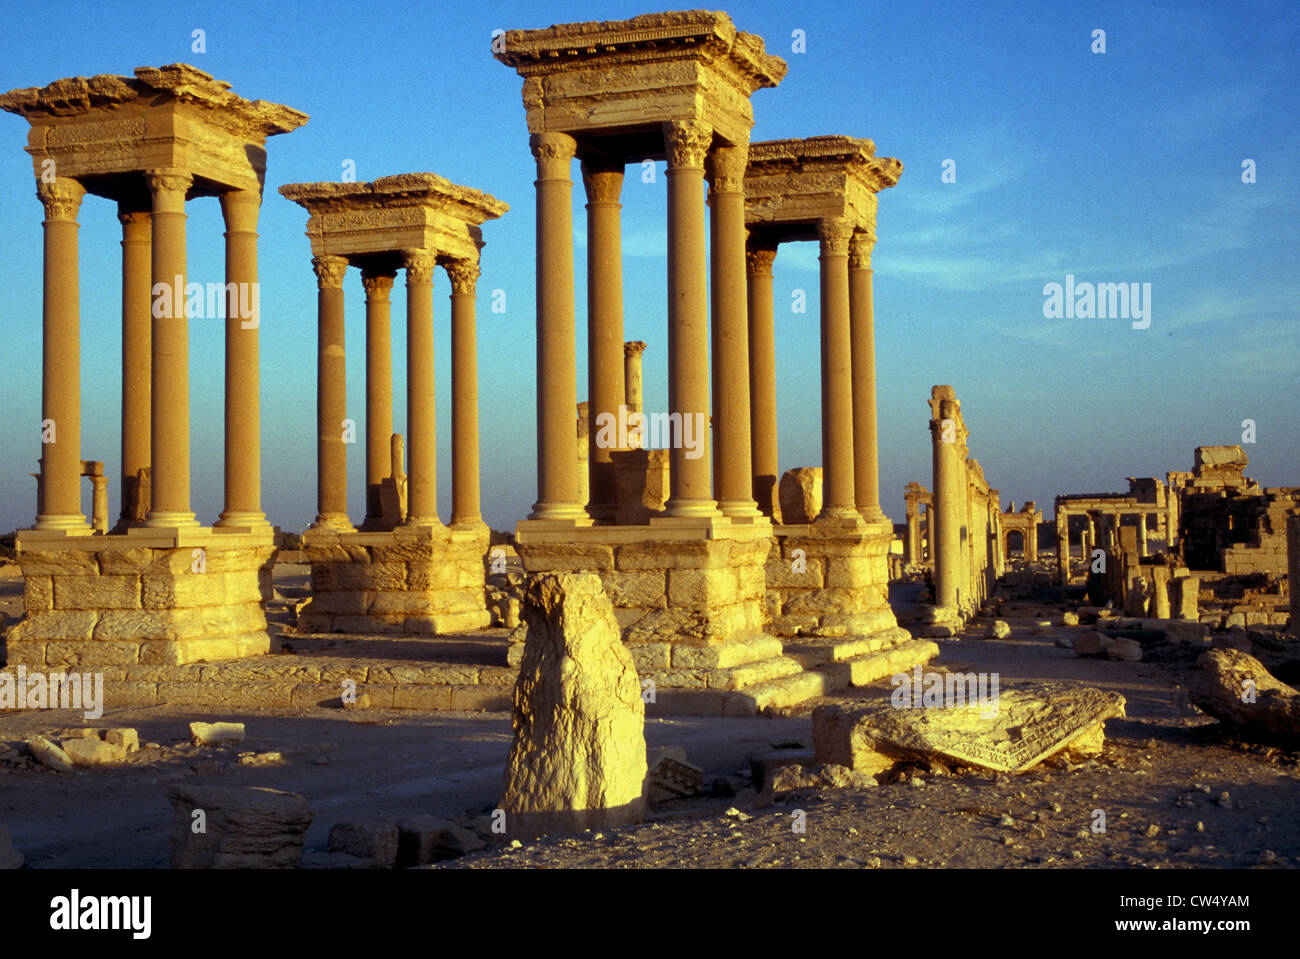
(860, 247)
(687, 143)
(602, 178)
(240, 209)
(378, 284)
(759, 259)
(553, 152)
(419, 266)
(129, 217)
(834, 232)
(61, 198)
(463, 275)
(329, 271)
(168, 188)
(633, 348)
(725, 168)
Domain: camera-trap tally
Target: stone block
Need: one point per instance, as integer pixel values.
(372, 839)
(644, 589)
(566, 557)
(246, 827)
(38, 594)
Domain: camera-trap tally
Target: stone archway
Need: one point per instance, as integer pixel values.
(1007, 548)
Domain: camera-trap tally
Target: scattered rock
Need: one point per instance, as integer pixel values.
(263, 759)
(244, 827)
(1236, 689)
(1129, 650)
(998, 629)
(819, 776)
(1092, 644)
(357, 702)
(578, 757)
(1070, 619)
(372, 839)
(93, 752)
(215, 734)
(426, 839)
(48, 754)
(128, 739)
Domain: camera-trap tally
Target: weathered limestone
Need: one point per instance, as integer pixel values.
(246, 827)
(578, 759)
(1014, 732)
(403, 570)
(1293, 566)
(948, 436)
(1236, 689)
(801, 494)
(1025, 522)
(148, 143)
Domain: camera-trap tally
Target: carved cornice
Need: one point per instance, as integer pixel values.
(61, 198)
(687, 143)
(330, 271)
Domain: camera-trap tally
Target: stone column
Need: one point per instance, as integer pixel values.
(464, 395)
(379, 391)
(606, 391)
(686, 143)
(1142, 535)
(331, 397)
(633, 384)
(169, 424)
(928, 543)
(243, 392)
(557, 396)
(762, 377)
(421, 400)
(866, 470)
(1031, 541)
(59, 506)
(948, 447)
(913, 544)
(99, 503)
(837, 370)
(732, 457)
(136, 335)
(1063, 547)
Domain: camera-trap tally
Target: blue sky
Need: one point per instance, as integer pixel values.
(1117, 167)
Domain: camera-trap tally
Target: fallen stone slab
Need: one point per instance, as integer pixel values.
(1236, 689)
(93, 752)
(1129, 650)
(670, 776)
(1181, 631)
(125, 737)
(1030, 723)
(215, 734)
(578, 757)
(48, 754)
(372, 839)
(10, 858)
(240, 827)
(798, 777)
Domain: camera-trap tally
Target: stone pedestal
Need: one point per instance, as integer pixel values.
(830, 578)
(640, 485)
(149, 596)
(413, 579)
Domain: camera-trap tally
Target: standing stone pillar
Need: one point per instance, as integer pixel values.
(60, 505)
(913, 543)
(634, 384)
(379, 392)
(948, 440)
(836, 368)
(99, 503)
(687, 142)
(1142, 535)
(243, 475)
(1063, 547)
(421, 399)
(603, 180)
(557, 397)
(465, 510)
(866, 470)
(762, 377)
(1031, 540)
(331, 397)
(136, 336)
(732, 456)
(928, 542)
(169, 425)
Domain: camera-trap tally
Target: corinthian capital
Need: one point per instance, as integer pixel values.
(330, 271)
(419, 266)
(553, 152)
(378, 284)
(726, 168)
(860, 248)
(835, 232)
(168, 188)
(687, 143)
(61, 198)
(759, 259)
(463, 275)
(602, 178)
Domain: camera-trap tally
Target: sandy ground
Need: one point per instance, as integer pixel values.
(1174, 790)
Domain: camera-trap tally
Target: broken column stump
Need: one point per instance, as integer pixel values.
(1236, 689)
(578, 759)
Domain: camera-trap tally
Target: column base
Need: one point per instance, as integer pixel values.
(560, 511)
(741, 510)
(74, 523)
(432, 522)
(170, 518)
(248, 518)
(332, 523)
(692, 507)
(602, 513)
(872, 514)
